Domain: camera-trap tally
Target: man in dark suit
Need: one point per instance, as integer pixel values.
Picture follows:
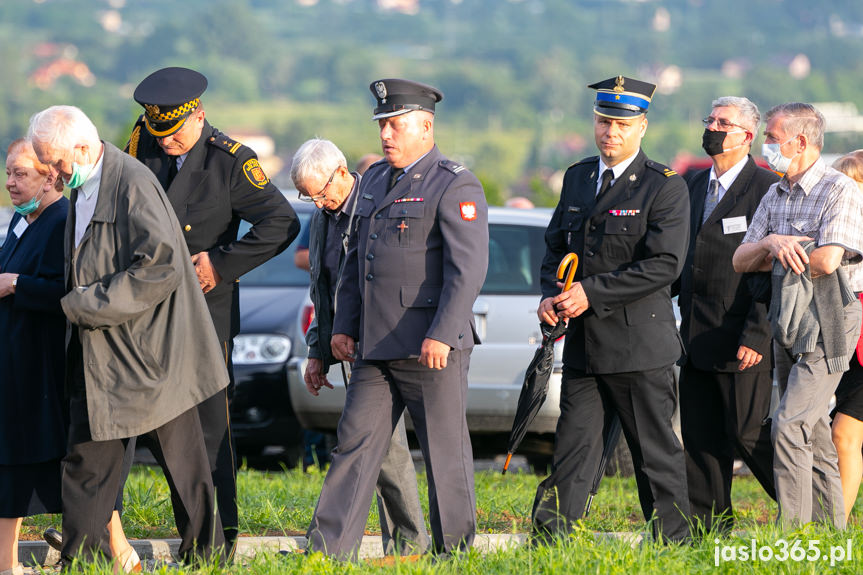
(725, 382)
(212, 182)
(404, 311)
(627, 219)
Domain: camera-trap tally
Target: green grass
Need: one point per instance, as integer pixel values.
(282, 502)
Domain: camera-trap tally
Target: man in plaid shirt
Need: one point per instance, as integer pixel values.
(811, 202)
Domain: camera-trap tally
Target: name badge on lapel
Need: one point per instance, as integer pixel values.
(20, 227)
(734, 225)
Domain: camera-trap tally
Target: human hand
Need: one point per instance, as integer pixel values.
(748, 357)
(788, 251)
(433, 353)
(208, 277)
(343, 347)
(315, 377)
(572, 302)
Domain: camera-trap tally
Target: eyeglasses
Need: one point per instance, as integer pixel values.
(322, 195)
(723, 123)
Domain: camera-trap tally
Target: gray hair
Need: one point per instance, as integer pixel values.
(800, 118)
(750, 117)
(316, 157)
(62, 128)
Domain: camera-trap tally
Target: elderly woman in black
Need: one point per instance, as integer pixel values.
(32, 328)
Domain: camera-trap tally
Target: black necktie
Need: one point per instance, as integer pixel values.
(397, 172)
(172, 171)
(607, 176)
(711, 200)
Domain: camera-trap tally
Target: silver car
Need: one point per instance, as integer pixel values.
(505, 314)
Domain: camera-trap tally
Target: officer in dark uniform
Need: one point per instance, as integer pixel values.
(627, 219)
(404, 311)
(213, 182)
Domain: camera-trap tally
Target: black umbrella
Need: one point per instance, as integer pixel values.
(535, 387)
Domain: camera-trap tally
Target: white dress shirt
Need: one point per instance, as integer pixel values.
(88, 194)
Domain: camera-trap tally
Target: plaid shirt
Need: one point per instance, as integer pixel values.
(825, 205)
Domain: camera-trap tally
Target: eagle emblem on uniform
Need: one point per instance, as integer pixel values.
(152, 109)
(618, 85)
(381, 91)
(468, 211)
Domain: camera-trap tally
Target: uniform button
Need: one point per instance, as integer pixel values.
(653, 315)
(624, 228)
(589, 253)
(212, 138)
(378, 216)
(370, 277)
(370, 257)
(188, 228)
(593, 228)
(404, 211)
(460, 336)
(429, 300)
(373, 237)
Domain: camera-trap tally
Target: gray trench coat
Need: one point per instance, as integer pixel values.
(150, 349)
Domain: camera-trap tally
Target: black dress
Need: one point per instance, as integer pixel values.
(33, 417)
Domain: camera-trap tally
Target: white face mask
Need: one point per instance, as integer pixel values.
(774, 158)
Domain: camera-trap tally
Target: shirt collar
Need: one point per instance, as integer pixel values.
(91, 184)
(619, 168)
(345, 207)
(727, 179)
(808, 180)
(415, 162)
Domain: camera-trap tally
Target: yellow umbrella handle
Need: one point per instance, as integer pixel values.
(568, 259)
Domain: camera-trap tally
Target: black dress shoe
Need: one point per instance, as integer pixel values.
(54, 538)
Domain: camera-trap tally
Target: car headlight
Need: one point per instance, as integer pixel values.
(251, 349)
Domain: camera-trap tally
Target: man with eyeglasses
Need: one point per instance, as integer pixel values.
(725, 382)
(213, 182)
(807, 232)
(401, 517)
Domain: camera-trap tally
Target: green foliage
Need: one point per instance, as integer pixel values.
(514, 72)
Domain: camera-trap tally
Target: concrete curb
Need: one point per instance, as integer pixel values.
(163, 550)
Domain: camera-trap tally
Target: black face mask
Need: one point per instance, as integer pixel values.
(712, 142)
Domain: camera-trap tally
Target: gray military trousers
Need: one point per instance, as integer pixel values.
(805, 462)
(377, 397)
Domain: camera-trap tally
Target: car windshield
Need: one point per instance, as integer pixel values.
(280, 270)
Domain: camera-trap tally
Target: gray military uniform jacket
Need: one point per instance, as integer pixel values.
(417, 261)
(149, 347)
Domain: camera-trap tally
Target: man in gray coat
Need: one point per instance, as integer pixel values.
(413, 270)
(320, 174)
(141, 349)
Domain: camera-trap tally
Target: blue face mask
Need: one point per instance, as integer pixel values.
(79, 174)
(32, 204)
(774, 157)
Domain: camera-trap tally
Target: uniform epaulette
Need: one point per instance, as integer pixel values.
(664, 170)
(451, 166)
(132, 145)
(223, 142)
(585, 161)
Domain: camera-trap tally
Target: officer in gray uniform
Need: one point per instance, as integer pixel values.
(627, 219)
(404, 311)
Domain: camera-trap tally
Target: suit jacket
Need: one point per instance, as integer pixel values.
(220, 184)
(631, 242)
(321, 330)
(31, 353)
(718, 312)
(417, 261)
(149, 348)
